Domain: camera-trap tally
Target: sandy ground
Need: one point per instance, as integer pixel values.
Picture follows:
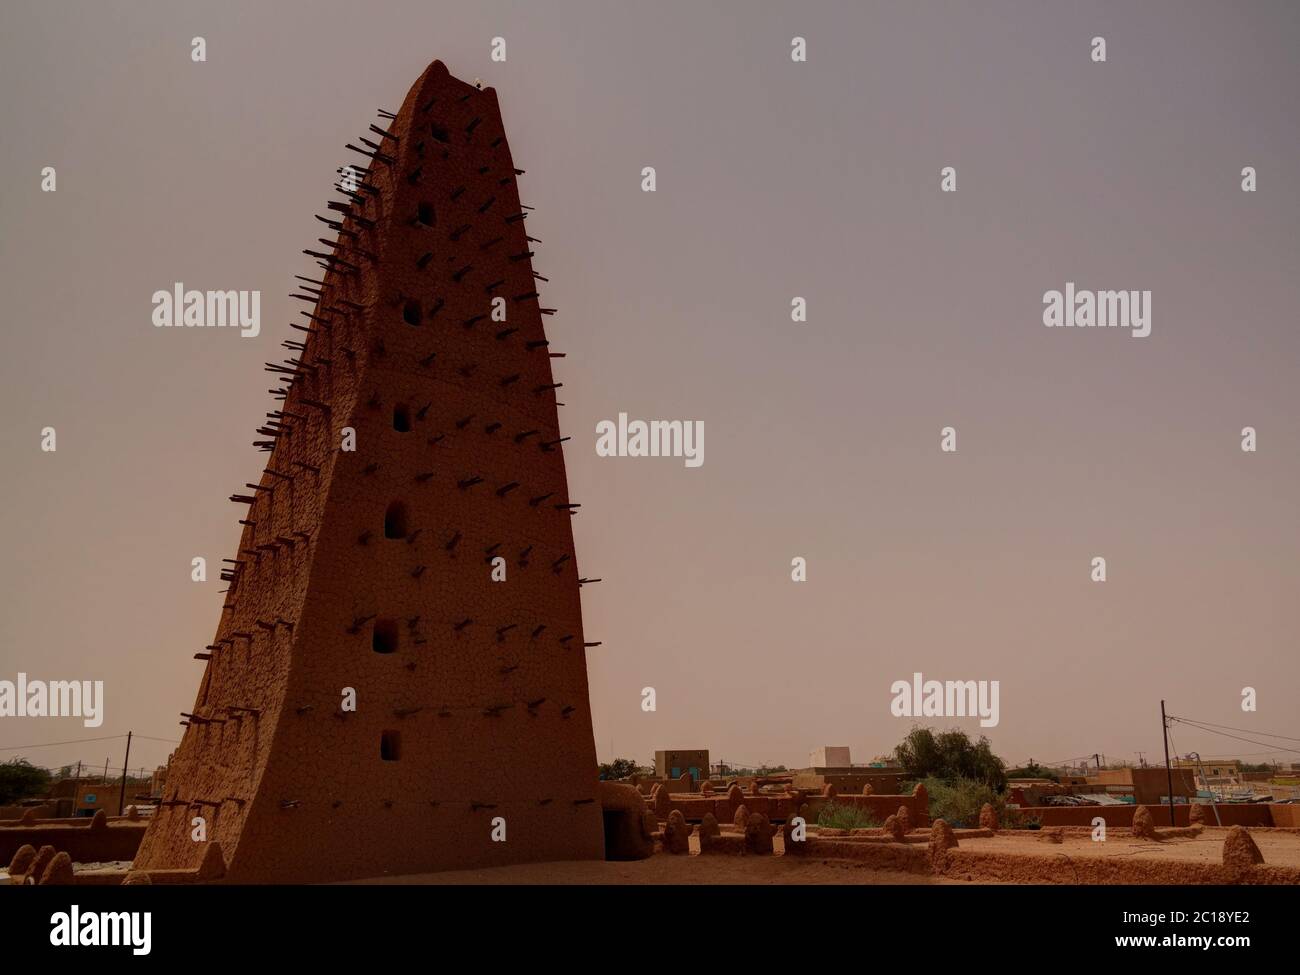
(663, 868)
(1280, 849)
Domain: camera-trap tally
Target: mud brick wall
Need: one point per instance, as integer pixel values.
(848, 782)
(694, 807)
(780, 808)
(878, 806)
(12, 815)
(1240, 814)
(117, 841)
(1288, 816)
(1018, 868)
(472, 695)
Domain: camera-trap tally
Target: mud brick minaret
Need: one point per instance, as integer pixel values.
(371, 568)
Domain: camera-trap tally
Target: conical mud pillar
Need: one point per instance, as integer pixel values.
(374, 574)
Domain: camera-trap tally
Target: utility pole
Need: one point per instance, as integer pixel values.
(1169, 769)
(1142, 759)
(1096, 757)
(121, 799)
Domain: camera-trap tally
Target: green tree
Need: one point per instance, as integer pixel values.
(620, 768)
(20, 779)
(950, 755)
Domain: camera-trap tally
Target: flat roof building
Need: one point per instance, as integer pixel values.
(1213, 771)
(830, 756)
(671, 764)
(1148, 786)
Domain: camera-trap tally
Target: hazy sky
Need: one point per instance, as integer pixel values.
(775, 179)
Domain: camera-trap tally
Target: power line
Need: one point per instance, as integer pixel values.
(1175, 744)
(1277, 748)
(51, 744)
(144, 771)
(1223, 734)
(80, 741)
(1248, 731)
(1064, 761)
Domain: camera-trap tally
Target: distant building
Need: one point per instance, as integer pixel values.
(831, 765)
(158, 781)
(81, 797)
(1213, 773)
(848, 781)
(830, 756)
(94, 796)
(671, 764)
(1147, 786)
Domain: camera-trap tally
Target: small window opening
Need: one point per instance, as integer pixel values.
(385, 636)
(395, 521)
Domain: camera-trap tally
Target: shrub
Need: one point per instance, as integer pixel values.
(1014, 818)
(838, 815)
(958, 801)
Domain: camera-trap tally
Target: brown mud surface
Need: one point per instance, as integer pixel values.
(1010, 849)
